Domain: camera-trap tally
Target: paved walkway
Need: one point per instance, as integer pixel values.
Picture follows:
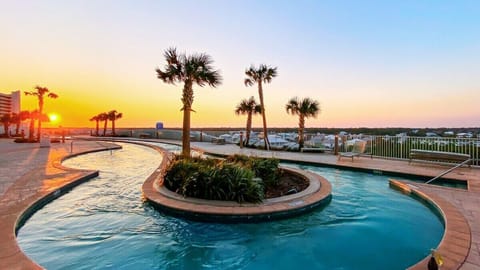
(28, 173)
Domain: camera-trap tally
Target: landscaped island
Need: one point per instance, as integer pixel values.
(237, 178)
(235, 189)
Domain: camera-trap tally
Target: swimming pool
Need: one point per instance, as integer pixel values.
(103, 224)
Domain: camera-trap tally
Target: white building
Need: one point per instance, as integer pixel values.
(10, 103)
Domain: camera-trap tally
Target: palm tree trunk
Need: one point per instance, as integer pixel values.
(187, 100)
(186, 132)
(31, 129)
(39, 128)
(40, 112)
(96, 128)
(105, 127)
(301, 127)
(113, 126)
(17, 127)
(264, 118)
(249, 127)
(5, 128)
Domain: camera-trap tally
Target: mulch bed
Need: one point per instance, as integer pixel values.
(289, 184)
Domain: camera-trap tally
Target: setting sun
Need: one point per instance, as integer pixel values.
(53, 117)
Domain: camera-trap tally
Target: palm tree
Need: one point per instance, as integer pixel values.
(260, 75)
(6, 120)
(40, 94)
(112, 116)
(33, 115)
(97, 119)
(189, 69)
(18, 118)
(248, 107)
(304, 108)
(103, 117)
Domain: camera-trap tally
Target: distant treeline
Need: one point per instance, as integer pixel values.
(421, 132)
(363, 130)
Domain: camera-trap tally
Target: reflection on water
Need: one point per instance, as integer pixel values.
(103, 224)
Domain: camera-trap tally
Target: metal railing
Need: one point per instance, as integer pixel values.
(398, 147)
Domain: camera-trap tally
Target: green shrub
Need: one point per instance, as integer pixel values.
(267, 170)
(213, 180)
(264, 168)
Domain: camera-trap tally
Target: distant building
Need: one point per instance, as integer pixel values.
(448, 133)
(465, 135)
(10, 103)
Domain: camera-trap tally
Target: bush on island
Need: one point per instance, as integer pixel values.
(237, 178)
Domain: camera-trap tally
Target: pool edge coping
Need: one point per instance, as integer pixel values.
(455, 244)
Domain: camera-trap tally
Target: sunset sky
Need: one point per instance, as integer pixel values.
(368, 63)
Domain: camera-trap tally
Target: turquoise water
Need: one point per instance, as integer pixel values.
(103, 224)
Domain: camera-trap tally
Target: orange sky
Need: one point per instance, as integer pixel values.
(365, 68)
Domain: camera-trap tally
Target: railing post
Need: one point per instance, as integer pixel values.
(336, 145)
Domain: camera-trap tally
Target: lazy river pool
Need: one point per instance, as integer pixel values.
(104, 224)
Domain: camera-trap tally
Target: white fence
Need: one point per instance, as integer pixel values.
(398, 147)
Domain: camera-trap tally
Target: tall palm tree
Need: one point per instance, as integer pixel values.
(189, 69)
(40, 93)
(248, 107)
(262, 74)
(6, 120)
(103, 117)
(112, 116)
(304, 108)
(97, 119)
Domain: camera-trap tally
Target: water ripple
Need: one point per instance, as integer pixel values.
(104, 224)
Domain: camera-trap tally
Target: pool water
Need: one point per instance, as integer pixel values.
(104, 224)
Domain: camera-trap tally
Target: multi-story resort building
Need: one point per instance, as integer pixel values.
(10, 103)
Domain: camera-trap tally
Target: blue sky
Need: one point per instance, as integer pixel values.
(368, 63)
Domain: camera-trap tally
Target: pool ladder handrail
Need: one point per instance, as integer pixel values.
(449, 170)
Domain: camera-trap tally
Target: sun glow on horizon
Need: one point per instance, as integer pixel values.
(54, 117)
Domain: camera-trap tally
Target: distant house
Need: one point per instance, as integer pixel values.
(448, 133)
(465, 135)
(431, 134)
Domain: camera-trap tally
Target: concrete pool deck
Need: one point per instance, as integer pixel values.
(29, 176)
(27, 173)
